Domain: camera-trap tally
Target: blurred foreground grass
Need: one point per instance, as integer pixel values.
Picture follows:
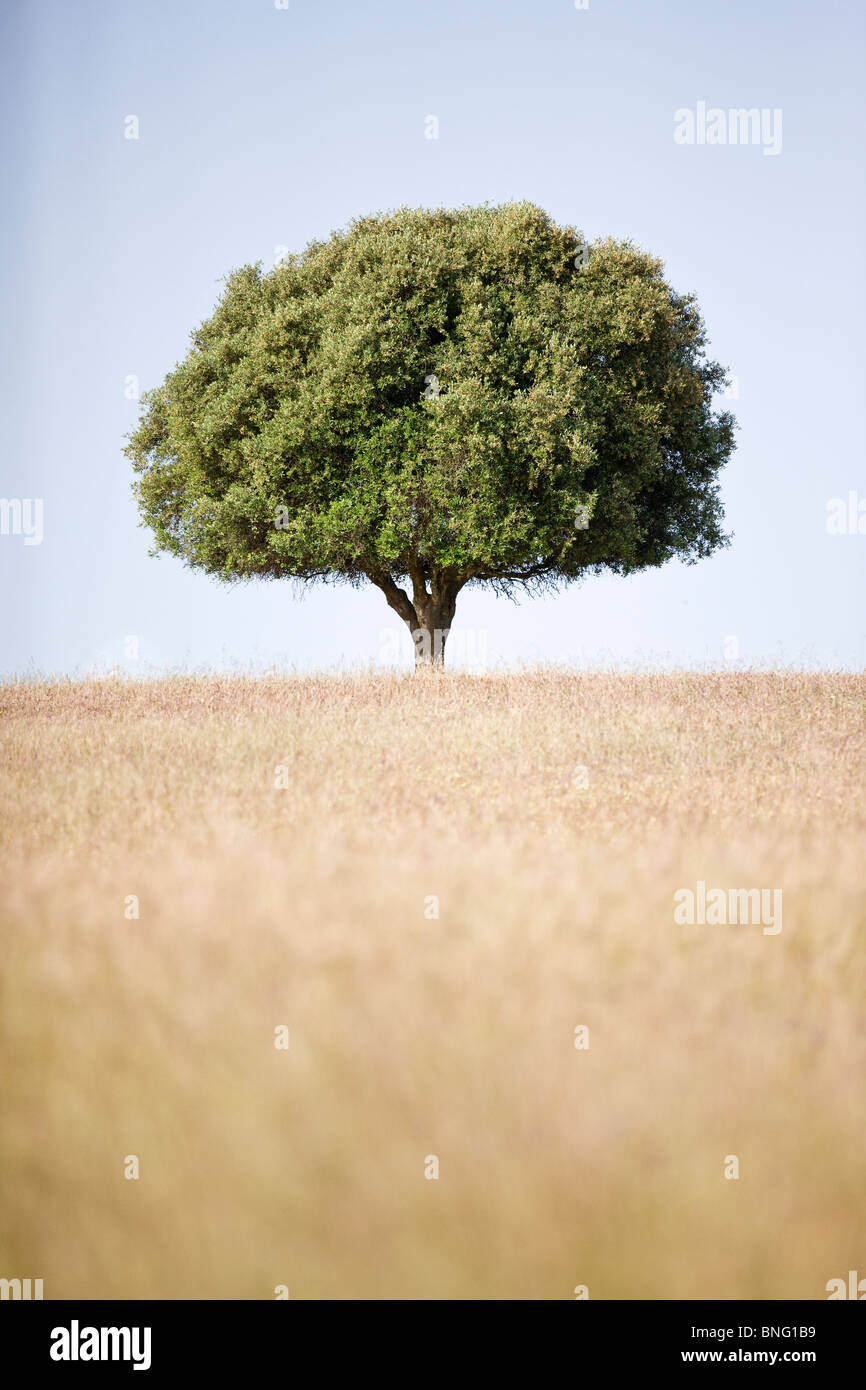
(288, 841)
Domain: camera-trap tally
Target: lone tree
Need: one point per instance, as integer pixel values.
(439, 399)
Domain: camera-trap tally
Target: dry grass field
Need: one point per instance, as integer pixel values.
(552, 817)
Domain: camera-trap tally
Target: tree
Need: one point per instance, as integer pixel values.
(439, 399)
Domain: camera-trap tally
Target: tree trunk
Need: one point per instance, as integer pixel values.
(428, 615)
(434, 615)
(428, 639)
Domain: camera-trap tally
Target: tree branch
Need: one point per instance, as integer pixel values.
(420, 595)
(397, 598)
(531, 572)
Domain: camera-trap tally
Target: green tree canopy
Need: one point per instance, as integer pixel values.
(437, 399)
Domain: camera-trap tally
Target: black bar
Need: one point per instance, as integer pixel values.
(224, 1338)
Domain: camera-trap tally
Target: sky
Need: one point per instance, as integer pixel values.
(150, 148)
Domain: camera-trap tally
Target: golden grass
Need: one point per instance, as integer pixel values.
(413, 1036)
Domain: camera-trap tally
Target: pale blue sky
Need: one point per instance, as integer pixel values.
(262, 127)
